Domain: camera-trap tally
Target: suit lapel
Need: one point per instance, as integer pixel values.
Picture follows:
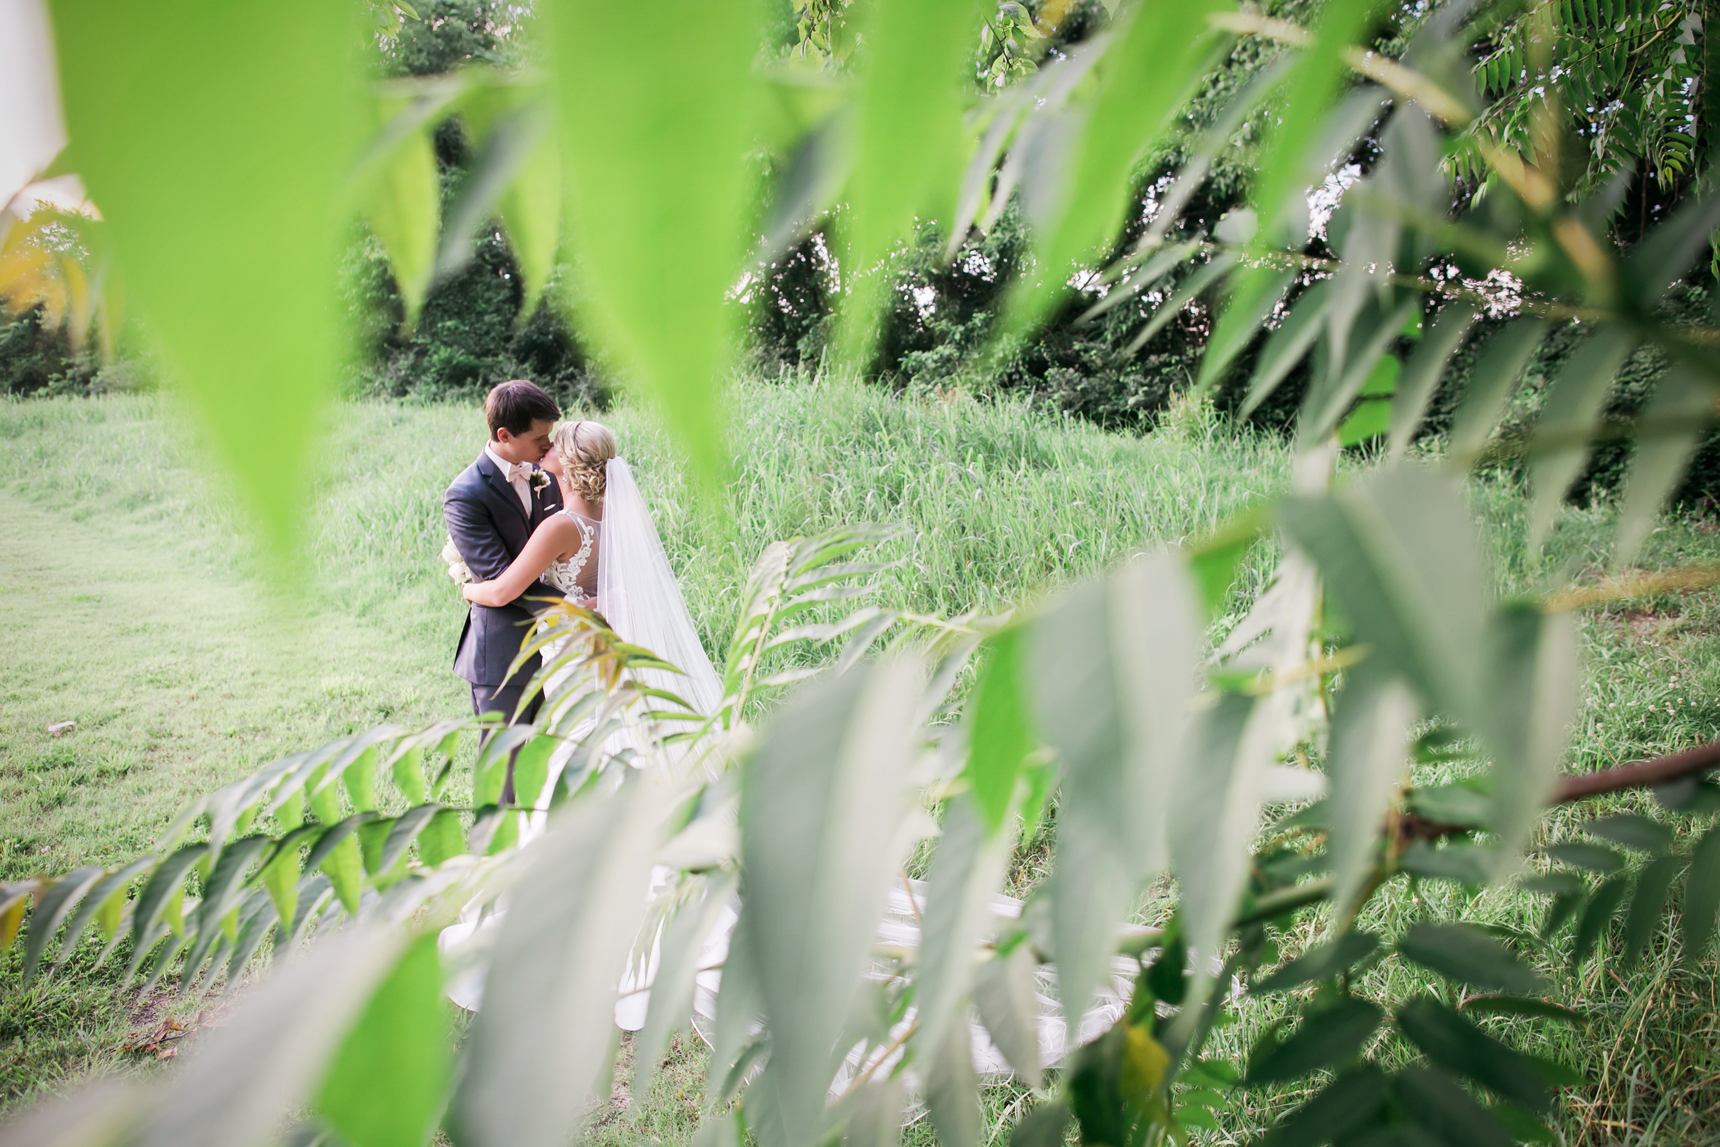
(493, 476)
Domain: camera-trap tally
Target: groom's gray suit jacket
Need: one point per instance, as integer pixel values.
(490, 528)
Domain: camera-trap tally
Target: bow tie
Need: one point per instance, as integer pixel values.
(519, 472)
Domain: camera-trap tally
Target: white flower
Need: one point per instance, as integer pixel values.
(457, 568)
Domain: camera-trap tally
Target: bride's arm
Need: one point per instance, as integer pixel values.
(548, 540)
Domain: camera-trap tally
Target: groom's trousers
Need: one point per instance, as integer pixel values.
(505, 699)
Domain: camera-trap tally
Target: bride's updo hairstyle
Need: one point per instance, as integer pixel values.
(585, 449)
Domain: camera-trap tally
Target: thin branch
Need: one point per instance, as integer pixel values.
(1632, 585)
(1643, 774)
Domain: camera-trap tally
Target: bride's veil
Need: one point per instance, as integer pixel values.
(638, 594)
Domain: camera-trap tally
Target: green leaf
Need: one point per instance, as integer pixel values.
(1492, 383)
(1346, 1104)
(1204, 277)
(1003, 994)
(1045, 1126)
(1460, 804)
(1521, 1006)
(1648, 904)
(402, 831)
(216, 141)
(1422, 373)
(1470, 956)
(1400, 554)
(1370, 419)
(280, 876)
(531, 770)
(1463, 862)
(402, 202)
(1701, 897)
(1593, 857)
(1249, 307)
(1288, 345)
(244, 1080)
(1532, 684)
(324, 797)
(1556, 884)
(165, 883)
(1311, 90)
(490, 771)
(1683, 405)
(874, 1116)
(1217, 800)
(1113, 667)
(344, 868)
(1667, 252)
(640, 131)
(372, 835)
(1216, 559)
(1571, 409)
(1333, 1035)
(520, 149)
(1334, 391)
(221, 889)
(51, 910)
(1557, 1074)
(443, 837)
(952, 1089)
(1440, 1105)
(1523, 1125)
(1319, 963)
(256, 920)
(967, 870)
(360, 779)
(1459, 1046)
(1369, 753)
(998, 737)
(93, 1113)
(542, 1044)
(908, 99)
(1631, 830)
(1145, 76)
(104, 903)
(389, 1080)
(678, 964)
(1599, 913)
(407, 769)
(835, 756)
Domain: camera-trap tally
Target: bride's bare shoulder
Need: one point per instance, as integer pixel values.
(557, 525)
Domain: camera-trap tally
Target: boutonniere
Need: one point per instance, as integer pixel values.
(540, 479)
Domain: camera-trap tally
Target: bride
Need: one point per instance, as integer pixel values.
(602, 551)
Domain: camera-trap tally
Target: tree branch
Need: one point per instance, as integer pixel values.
(1660, 771)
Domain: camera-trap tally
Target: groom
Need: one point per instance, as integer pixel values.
(491, 510)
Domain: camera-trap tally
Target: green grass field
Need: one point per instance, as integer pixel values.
(135, 602)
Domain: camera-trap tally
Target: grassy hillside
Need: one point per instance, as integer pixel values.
(135, 602)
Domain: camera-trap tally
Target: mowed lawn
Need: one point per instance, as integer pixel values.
(137, 603)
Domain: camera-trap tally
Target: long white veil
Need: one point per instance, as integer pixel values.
(638, 594)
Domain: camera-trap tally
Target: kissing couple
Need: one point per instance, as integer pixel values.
(550, 512)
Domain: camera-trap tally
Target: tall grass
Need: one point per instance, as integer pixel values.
(136, 602)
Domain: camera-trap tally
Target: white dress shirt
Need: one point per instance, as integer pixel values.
(516, 476)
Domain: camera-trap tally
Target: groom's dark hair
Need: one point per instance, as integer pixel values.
(516, 404)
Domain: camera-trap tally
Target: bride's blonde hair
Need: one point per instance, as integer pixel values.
(585, 449)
